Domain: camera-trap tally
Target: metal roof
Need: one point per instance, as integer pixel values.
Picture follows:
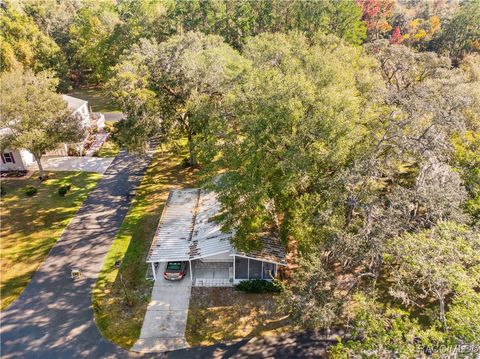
(173, 236)
(187, 231)
(207, 237)
(73, 103)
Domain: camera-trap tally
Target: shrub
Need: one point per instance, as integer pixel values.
(30, 191)
(186, 162)
(259, 286)
(2, 190)
(62, 191)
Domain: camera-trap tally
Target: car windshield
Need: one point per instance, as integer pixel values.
(174, 265)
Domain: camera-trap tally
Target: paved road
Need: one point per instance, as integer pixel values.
(53, 317)
(285, 346)
(165, 321)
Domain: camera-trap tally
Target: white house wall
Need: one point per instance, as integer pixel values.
(19, 164)
(82, 111)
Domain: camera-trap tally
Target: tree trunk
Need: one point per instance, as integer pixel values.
(38, 158)
(192, 158)
(442, 312)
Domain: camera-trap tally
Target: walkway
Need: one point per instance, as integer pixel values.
(53, 317)
(165, 321)
(100, 139)
(71, 163)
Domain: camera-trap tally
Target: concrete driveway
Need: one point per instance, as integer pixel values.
(165, 321)
(71, 163)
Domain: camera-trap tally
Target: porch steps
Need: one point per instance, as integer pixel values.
(213, 282)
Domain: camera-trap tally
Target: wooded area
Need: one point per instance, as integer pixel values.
(349, 129)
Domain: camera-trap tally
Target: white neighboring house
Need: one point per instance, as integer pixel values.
(14, 160)
(186, 232)
(78, 107)
(21, 159)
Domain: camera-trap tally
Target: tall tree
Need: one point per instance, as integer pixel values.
(189, 75)
(34, 117)
(22, 43)
(299, 116)
(435, 264)
(461, 35)
(91, 49)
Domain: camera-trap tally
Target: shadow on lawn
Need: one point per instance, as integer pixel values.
(53, 317)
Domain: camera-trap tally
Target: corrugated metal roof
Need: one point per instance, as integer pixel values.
(208, 238)
(186, 231)
(173, 236)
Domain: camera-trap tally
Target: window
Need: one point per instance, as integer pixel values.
(268, 270)
(174, 265)
(7, 157)
(241, 268)
(255, 269)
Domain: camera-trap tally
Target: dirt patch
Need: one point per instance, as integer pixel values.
(221, 314)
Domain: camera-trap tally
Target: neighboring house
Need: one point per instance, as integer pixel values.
(186, 232)
(78, 107)
(21, 159)
(14, 160)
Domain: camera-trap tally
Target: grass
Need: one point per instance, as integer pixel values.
(97, 99)
(118, 320)
(109, 148)
(30, 226)
(223, 314)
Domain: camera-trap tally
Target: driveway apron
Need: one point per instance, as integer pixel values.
(53, 317)
(165, 321)
(71, 163)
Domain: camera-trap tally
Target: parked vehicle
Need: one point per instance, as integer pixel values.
(175, 270)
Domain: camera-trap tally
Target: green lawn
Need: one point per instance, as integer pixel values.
(109, 148)
(97, 99)
(118, 320)
(32, 225)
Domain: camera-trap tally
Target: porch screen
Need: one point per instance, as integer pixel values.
(241, 268)
(255, 269)
(268, 270)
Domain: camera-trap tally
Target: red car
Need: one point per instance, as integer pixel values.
(175, 270)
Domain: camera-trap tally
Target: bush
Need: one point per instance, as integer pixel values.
(185, 162)
(2, 190)
(259, 286)
(62, 191)
(30, 191)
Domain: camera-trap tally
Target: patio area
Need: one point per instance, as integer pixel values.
(212, 274)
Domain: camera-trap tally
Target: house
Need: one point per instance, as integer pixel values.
(14, 159)
(186, 232)
(21, 159)
(78, 107)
